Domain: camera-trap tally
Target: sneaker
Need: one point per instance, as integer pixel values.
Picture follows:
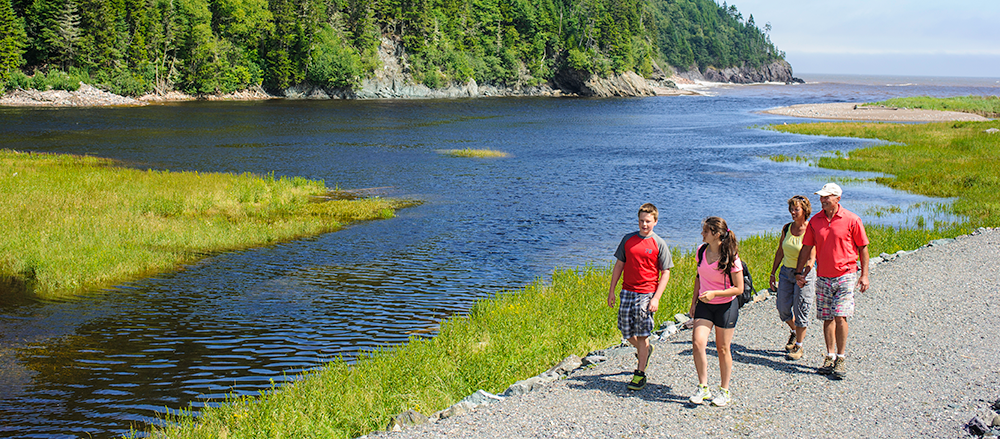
(827, 367)
(701, 395)
(795, 353)
(839, 368)
(723, 399)
(638, 380)
(791, 342)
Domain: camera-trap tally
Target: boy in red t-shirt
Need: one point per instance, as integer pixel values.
(643, 265)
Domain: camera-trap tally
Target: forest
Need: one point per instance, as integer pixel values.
(134, 47)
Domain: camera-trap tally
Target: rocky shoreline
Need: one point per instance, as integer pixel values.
(394, 81)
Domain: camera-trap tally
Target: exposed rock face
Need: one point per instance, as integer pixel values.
(778, 71)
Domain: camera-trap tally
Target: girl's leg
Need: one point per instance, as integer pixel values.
(723, 337)
(699, 340)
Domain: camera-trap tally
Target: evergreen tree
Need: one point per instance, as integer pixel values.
(12, 41)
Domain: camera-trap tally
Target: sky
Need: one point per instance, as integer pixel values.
(883, 37)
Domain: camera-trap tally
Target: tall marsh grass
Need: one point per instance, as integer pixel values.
(947, 159)
(72, 222)
(475, 153)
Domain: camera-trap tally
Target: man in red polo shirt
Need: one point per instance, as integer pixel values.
(840, 240)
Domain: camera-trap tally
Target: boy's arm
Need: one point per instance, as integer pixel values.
(616, 275)
(654, 303)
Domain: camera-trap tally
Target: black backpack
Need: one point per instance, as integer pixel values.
(748, 290)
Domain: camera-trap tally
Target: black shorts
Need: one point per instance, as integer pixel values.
(723, 315)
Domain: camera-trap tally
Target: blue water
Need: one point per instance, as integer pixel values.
(577, 172)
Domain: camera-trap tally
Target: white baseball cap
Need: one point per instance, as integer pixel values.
(830, 189)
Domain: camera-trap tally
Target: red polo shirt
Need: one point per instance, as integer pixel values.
(836, 241)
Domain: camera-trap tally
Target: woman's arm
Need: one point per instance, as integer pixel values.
(779, 254)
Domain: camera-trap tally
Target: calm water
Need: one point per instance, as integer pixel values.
(579, 169)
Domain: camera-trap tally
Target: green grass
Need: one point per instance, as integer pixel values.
(477, 153)
(73, 222)
(988, 106)
(519, 334)
(948, 159)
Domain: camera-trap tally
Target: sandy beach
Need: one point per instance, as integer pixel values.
(854, 111)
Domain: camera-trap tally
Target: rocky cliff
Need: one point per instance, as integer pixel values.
(778, 71)
(394, 81)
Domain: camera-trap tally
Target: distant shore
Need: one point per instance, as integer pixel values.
(856, 112)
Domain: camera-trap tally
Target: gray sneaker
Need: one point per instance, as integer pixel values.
(839, 368)
(827, 367)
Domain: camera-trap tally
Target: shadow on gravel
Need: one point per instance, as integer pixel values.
(614, 383)
(770, 358)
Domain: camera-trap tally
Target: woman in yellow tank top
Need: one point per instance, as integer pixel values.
(794, 303)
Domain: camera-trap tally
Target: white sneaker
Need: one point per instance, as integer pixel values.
(723, 399)
(701, 395)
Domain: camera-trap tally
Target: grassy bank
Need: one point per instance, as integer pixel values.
(73, 222)
(948, 159)
(987, 106)
(522, 333)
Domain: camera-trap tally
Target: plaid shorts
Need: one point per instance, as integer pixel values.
(835, 296)
(634, 318)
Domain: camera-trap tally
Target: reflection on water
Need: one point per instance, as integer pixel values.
(236, 322)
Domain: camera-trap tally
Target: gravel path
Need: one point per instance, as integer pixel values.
(852, 111)
(923, 359)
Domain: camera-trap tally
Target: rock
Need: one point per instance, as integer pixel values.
(996, 420)
(567, 365)
(524, 386)
(886, 256)
(459, 409)
(976, 426)
(875, 260)
(481, 398)
(593, 359)
(681, 318)
(548, 377)
(409, 417)
(941, 241)
(778, 71)
(668, 330)
(761, 295)
(992, 131)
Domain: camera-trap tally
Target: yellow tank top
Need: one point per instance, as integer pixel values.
(790, 247)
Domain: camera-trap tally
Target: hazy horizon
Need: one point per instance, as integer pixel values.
(902, 37)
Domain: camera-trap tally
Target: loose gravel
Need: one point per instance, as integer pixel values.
(923, 360)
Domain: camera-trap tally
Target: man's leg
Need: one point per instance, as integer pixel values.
(841, 324)
(830, 335)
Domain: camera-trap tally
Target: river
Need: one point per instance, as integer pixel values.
(578, 170)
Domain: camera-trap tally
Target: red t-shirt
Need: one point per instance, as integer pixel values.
(837, 241)
(644, 258)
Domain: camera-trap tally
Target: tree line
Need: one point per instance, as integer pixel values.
(133, 47)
